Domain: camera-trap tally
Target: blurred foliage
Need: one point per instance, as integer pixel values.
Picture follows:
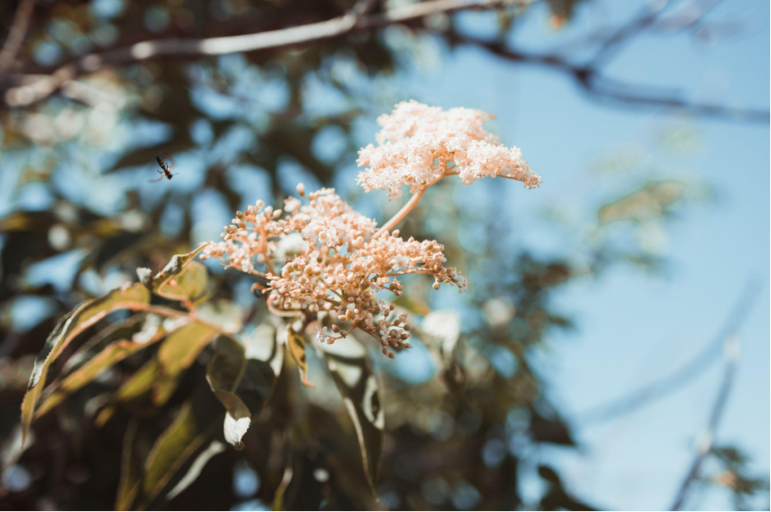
(732, 470)
(172, 390)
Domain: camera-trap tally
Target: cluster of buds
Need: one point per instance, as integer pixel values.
(418, 145)
(324, 259)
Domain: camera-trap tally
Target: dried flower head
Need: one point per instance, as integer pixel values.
(324, 258)
(418, 145)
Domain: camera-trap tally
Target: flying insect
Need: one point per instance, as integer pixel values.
(165, 170)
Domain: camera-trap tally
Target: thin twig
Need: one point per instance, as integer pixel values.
(684, 374)
(16, 34)
(705, 443)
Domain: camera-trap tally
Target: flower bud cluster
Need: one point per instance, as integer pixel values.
(418, 144)
(324, 258)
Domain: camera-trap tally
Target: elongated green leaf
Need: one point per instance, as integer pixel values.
(177, 352)
(161, 283)
(296, 344)
(194, 426)
(113, 332)
(81, 318)
(242, 379)
(130, 470)
(347, 361)
(95, 365)
(140, 384)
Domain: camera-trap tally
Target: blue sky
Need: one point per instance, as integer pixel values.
(635, 328)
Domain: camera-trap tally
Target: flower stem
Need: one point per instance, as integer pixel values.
(407, 208)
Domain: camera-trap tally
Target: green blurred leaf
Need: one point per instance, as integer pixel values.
(194, 425)
(130, 470)
(138, 385)
(177, 352)
(190, 284)
(242, 382)
(347, 361)
(652, 201)
(81, 318)
(165, 282)
(94, 364)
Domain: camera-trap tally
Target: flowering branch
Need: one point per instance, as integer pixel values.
(327, 263)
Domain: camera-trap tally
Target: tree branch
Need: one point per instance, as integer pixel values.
(16, 34)
(304, 35)
(604, 89)
(706, 440)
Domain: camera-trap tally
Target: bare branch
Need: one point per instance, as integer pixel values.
(685, 374)
(706, 440)
(16, 35)
(291, 37)
(604, 89)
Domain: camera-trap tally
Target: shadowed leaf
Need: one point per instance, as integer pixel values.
(97, 363)
(130, 471)
(347, 361)
(203, 458)
(242, 379)
(193, 427)
(177, 352)
(81, 318)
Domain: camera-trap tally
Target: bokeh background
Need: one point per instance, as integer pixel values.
(592, 343)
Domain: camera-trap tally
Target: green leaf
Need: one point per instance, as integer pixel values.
(296, 344)
(93, 366)
(193, 427)
(242, 379)
(177, 352)
(189, 284)
(652, 201)
(130, 470)
(162, 280)
(80, 319)
(140, 384)
(347, 361)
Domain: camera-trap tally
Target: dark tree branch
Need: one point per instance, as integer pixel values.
(21, 90)
(40, 87)
(706, 442)
(16, 34)
(607, 90)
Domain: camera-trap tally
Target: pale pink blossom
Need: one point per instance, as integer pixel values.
(321, 259)
(418, 145)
